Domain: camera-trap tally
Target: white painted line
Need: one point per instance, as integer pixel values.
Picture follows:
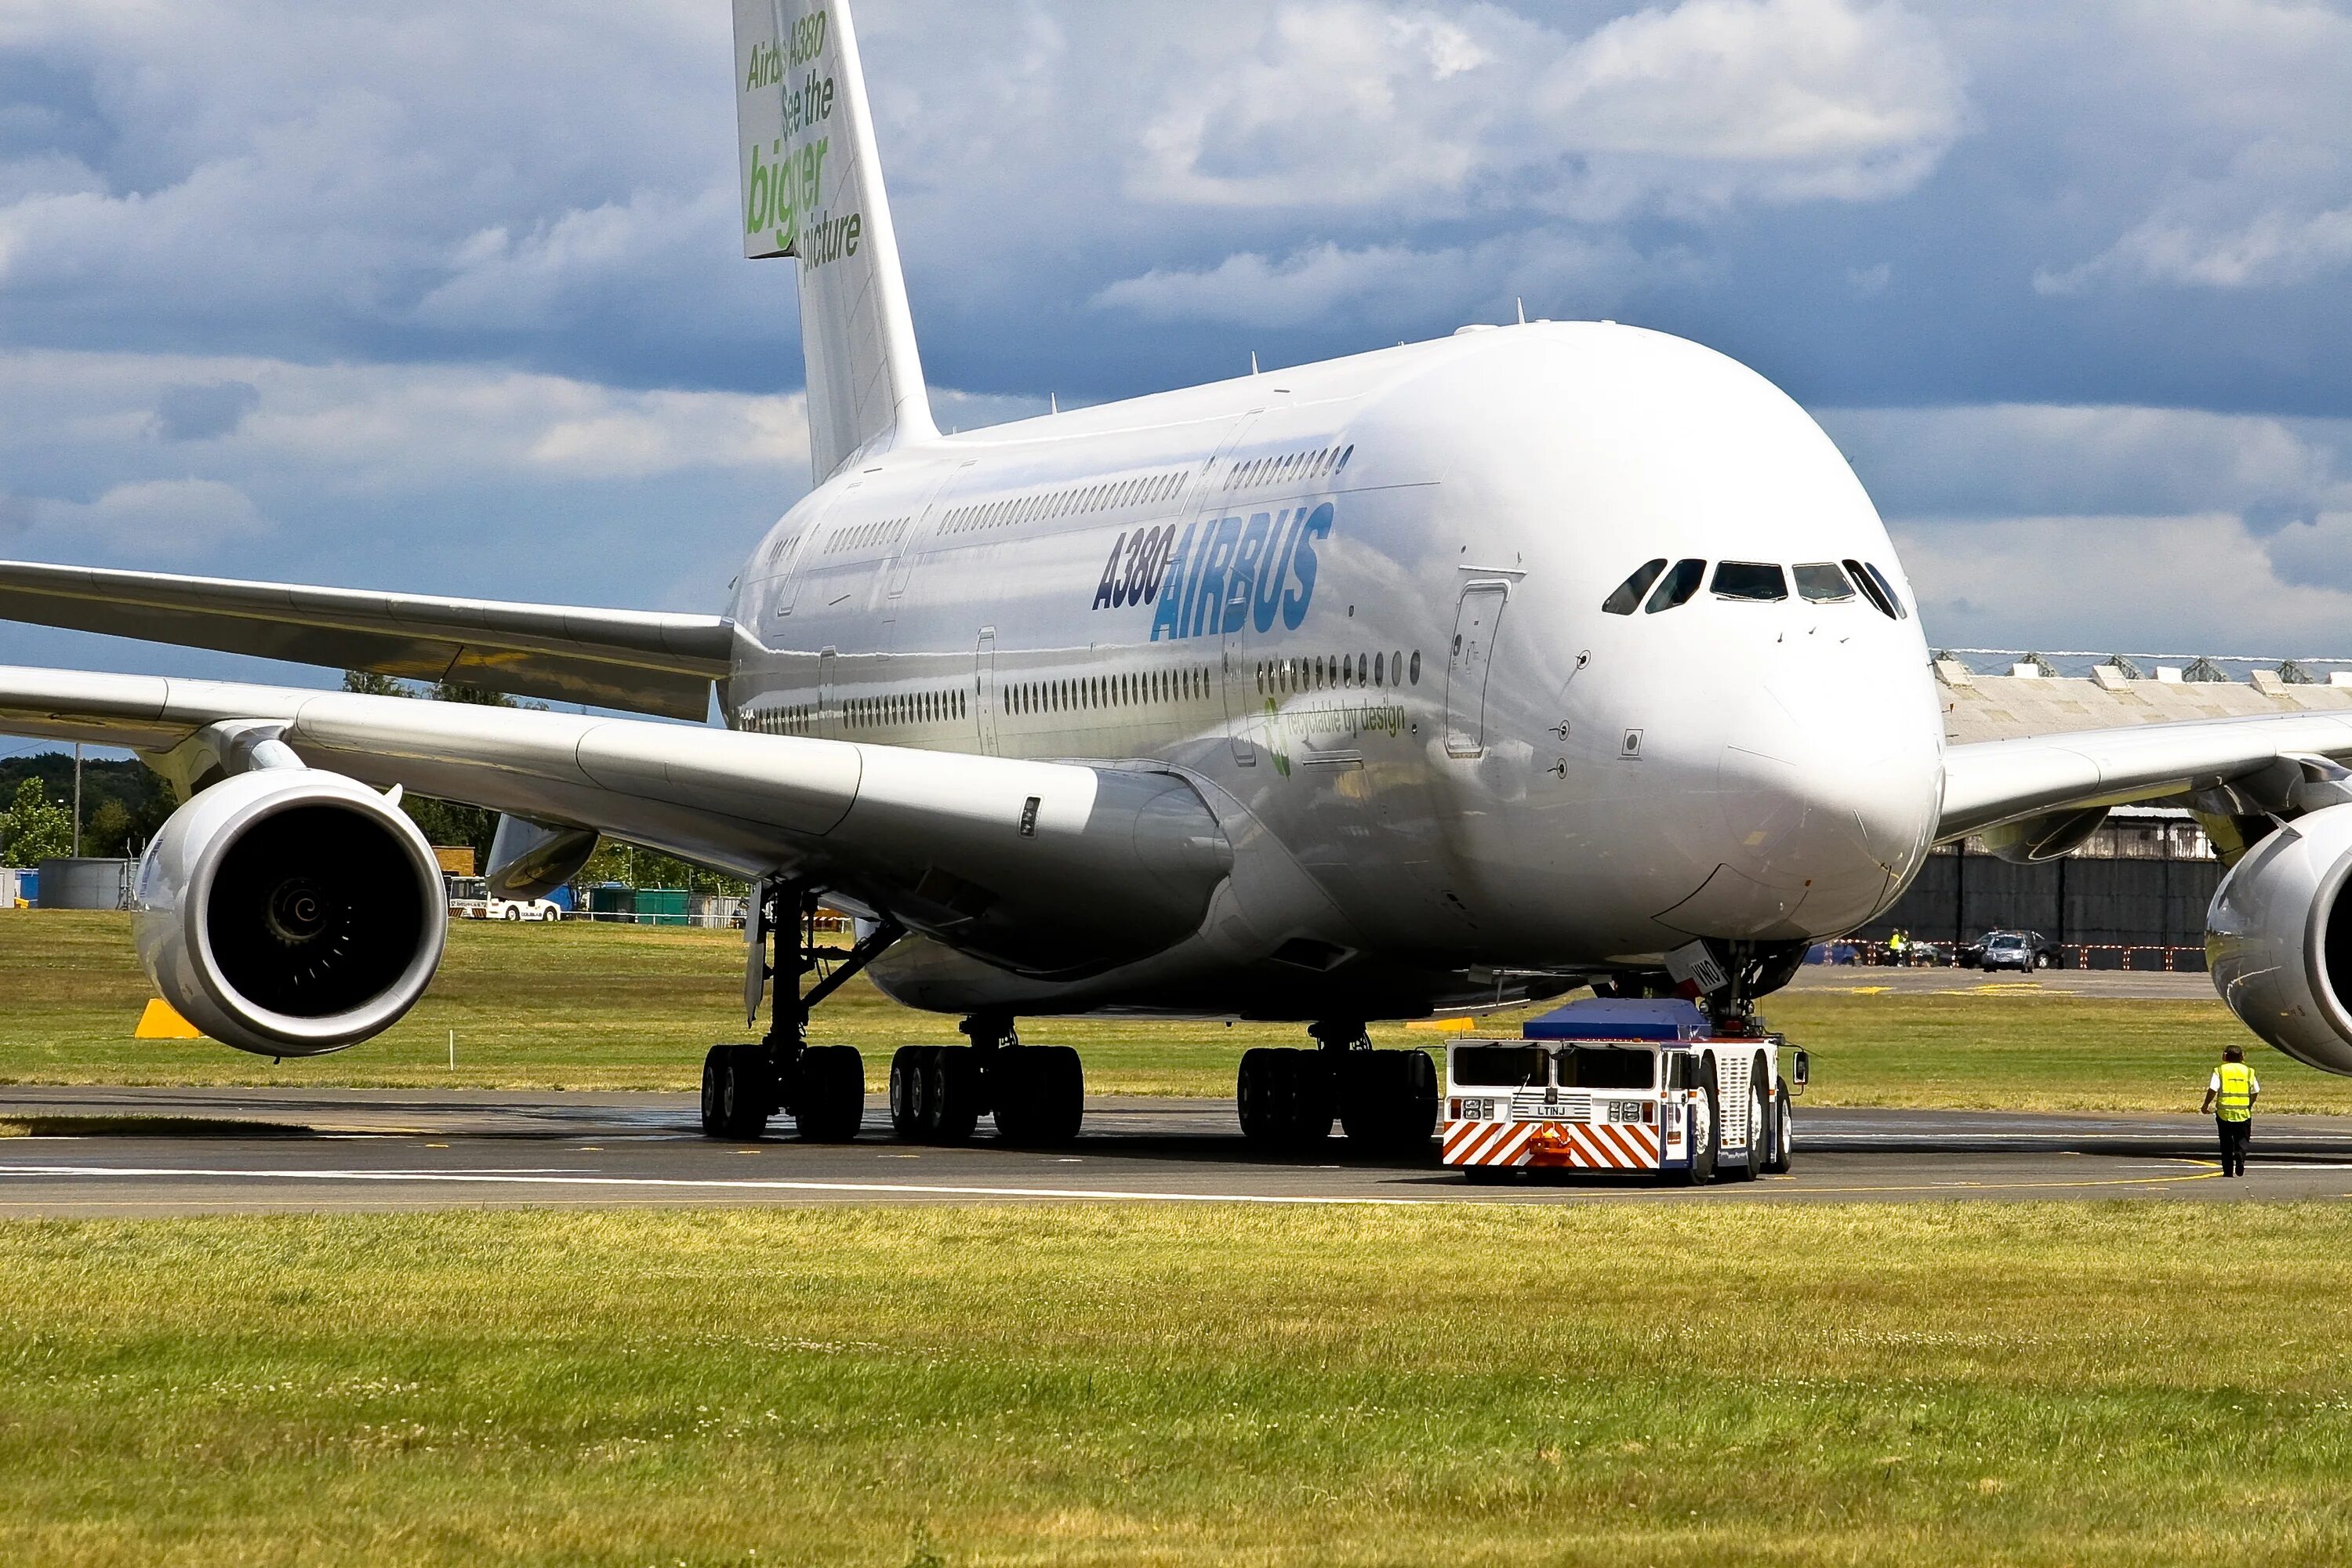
(463, 1179)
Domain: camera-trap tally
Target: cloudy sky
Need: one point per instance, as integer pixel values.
(447, 297)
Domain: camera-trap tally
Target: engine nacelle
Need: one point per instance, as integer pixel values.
(291, 912)
(2278, 939)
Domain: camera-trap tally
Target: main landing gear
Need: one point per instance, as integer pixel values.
(823, 1088)
(939, 1094)
(1386, 1100)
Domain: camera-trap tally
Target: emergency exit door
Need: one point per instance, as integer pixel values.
(1474, 626)
(984, 681)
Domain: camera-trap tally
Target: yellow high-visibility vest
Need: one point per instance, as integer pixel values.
(2236, 1102)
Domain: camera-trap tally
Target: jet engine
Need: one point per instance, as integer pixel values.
(291, 912)
(2278, 939)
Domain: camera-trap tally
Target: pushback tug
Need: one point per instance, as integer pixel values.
(1622, 1085)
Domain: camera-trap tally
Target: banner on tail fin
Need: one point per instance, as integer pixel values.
(812, 188)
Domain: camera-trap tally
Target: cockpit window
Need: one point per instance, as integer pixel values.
(1886, 586)
(1874, 589)
(1823, 583)
(1760, 580)
(1678, 586)
(1628, 596)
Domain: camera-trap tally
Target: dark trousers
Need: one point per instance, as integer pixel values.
(2233, 1145)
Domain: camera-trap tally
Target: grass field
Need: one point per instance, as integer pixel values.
(2082, 1384)
(593, 1007)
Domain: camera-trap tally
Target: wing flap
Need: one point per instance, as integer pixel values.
(638, 660)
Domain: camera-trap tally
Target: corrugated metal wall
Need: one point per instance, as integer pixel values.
(2122, 902)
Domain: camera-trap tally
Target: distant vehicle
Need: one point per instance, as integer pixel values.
(493, 908)
(2019, 950)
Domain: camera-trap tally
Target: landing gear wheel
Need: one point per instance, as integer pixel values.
(1388, 1099)
(951, 1098)
(1040, 1093)
(738, 1092)
(1285, 1096)
(829, 1100)
(906, 1071)
(1783, 1131)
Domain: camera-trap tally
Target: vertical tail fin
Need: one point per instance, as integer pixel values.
(812, 189)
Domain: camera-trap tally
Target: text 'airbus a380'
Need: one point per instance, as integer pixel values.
(1538, 655)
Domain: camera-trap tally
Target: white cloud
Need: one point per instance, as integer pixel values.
(2117, 528)
(2191, 585)
(2010, 460)
(161, 520)
(1552, 269)
(1350, 103)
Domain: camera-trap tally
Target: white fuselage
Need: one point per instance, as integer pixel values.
(1359, 606)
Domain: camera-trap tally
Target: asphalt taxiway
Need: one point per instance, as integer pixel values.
(144, 1151)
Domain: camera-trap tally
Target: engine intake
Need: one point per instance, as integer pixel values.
(291, 912)
(2278, 939)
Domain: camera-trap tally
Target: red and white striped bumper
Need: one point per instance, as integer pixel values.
(1573, 1145)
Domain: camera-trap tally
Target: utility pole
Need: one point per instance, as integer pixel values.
(77, 839)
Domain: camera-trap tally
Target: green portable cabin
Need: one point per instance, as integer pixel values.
(661, 905)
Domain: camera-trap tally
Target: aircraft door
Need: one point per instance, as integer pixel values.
(1239, 682)
(917, 537)
(1474, 626)
(984, 690)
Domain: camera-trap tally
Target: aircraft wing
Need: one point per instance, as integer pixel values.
(1988, 783)
(1043, 867)
(643, 662)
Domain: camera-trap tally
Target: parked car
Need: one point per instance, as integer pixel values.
(2019, 950)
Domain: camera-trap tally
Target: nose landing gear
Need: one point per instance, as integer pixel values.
(823, 1088)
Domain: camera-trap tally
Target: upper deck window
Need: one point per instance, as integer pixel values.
(1755, 580)
(1823, 583)
(1627, 597)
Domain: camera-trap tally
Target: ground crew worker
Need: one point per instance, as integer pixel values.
(2231, 1097)
(1895, 944)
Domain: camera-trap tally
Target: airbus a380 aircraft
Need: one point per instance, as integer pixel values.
(1537, 656)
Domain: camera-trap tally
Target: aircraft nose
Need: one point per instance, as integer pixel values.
(1829, 786)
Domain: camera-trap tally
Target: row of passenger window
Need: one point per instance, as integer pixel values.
(864, 712)
(1817, 581)
(1319, 464)
(1061, 503)
(1097, 692)
(889, 531)
(1277, 677)
(1091, 692)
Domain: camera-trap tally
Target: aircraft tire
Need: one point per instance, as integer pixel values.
(906, 1068)
(738, 1092)
(954, 1102)
(1388, 1099)
(1040, 1094)
(829, 1101)
(1285, 1098)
